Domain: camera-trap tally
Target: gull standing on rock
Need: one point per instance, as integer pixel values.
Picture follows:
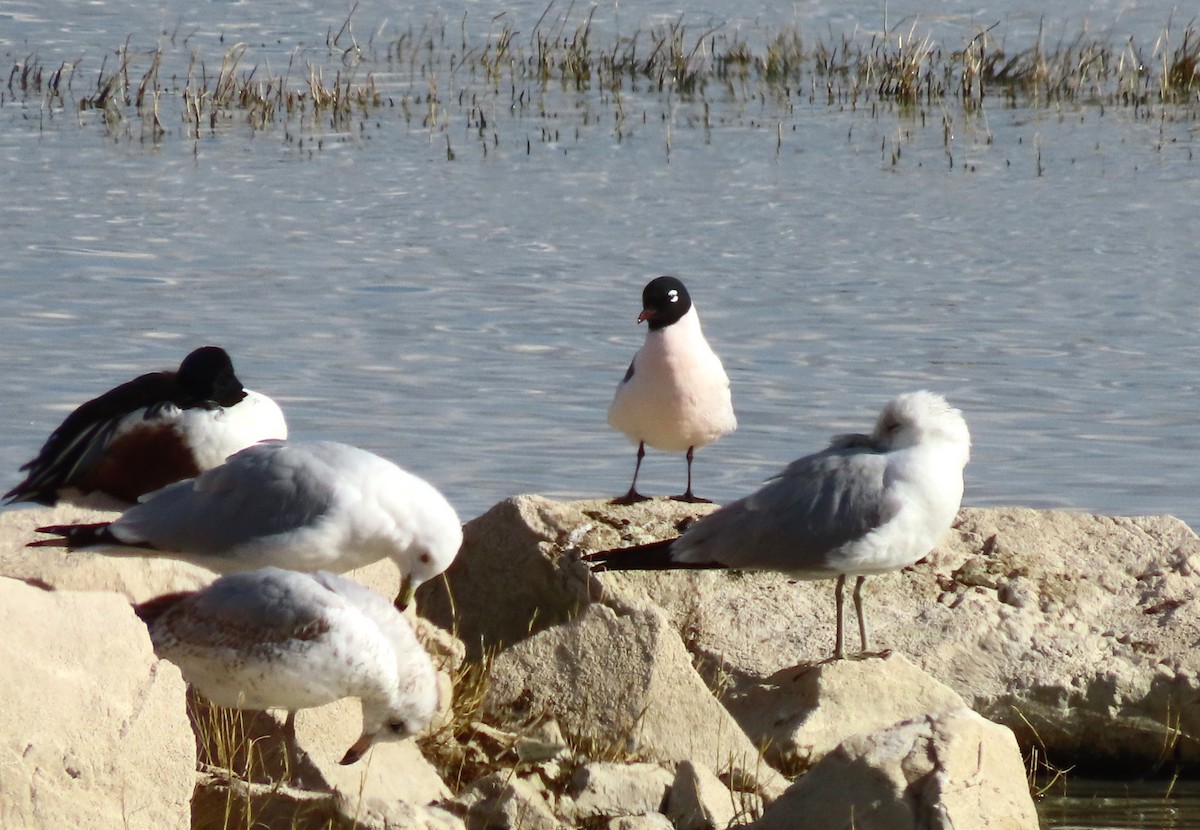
(867, 504)
(675, 395)
(278, 639)
(304, 506)
(156, 429)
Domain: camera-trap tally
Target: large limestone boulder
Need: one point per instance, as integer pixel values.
(518, 571)
(93, 726)
(954, 769)
(620, 684)
(802, 713)
(1074, 630)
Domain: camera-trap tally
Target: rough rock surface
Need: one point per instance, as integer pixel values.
(86, 704)
(609, 789)
(954, 769)
(801, 713)
(220, 804)
(1074, 630)
(518, 571)
(622, 683)
(700, 801)
(501, 801)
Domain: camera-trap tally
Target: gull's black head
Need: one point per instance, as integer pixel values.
(664, 301)
(207, 375)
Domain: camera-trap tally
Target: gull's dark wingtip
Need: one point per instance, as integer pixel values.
(653, 556)
(73, 537)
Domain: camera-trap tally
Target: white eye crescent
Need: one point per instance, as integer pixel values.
(673, 295)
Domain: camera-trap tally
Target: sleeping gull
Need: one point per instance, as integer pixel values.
(279, 639)
(304, 506)
(158, 428)
(675, 394)
(867, 504)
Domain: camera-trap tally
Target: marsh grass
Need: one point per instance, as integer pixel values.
(443, 83)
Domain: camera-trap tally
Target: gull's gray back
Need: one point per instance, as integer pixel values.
(266, 489)
(798, 519)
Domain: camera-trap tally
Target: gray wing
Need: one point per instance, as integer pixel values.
(794, 522)
(266, 489)
(243, 610)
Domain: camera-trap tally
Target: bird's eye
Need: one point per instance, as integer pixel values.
(673, 295)
(398, 727)
(425, 557)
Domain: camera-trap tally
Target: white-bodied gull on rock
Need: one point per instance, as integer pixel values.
(868, 504)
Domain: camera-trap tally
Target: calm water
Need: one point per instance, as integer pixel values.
(470, 318)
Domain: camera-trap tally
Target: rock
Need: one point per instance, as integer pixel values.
(504, 801)
(1074, 630)
(390, 771)
(802, 713)
(221, 803)
(649, 821)
(518, 573)
(699, 801)
(608, 789)
(954, 769)
(621, 684)
(93, 726)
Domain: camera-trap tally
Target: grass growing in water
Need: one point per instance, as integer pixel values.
(442, 82)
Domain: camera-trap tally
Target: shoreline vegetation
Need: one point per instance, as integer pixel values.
(441, 79)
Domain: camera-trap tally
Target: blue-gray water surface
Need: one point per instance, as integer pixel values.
(469, 317)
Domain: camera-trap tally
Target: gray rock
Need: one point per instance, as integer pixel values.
(951, 770)
(802, 713)
(221, 803)
(505, 801)
(93, 728)
(649, 821)
(699, 801)
(1074, 630)
(518, 571)
(621, 685)
(608, 789)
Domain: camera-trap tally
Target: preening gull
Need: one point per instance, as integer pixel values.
(279, 639)
(867, 504)
(675, 394)
(303, 506)
(156, 429)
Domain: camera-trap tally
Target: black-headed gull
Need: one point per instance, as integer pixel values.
(867, 504)
(279, 639)
(675, 395)
(158, 428)
(303, 506)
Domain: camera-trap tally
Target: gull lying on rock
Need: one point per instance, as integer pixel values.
(867, 504)
(302, 506)
(279, 639)
(156, 429)
(675, 394)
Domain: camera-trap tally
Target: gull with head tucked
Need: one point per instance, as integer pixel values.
(675, 395)
(303, 506)
(279, 639)
(867, 504)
